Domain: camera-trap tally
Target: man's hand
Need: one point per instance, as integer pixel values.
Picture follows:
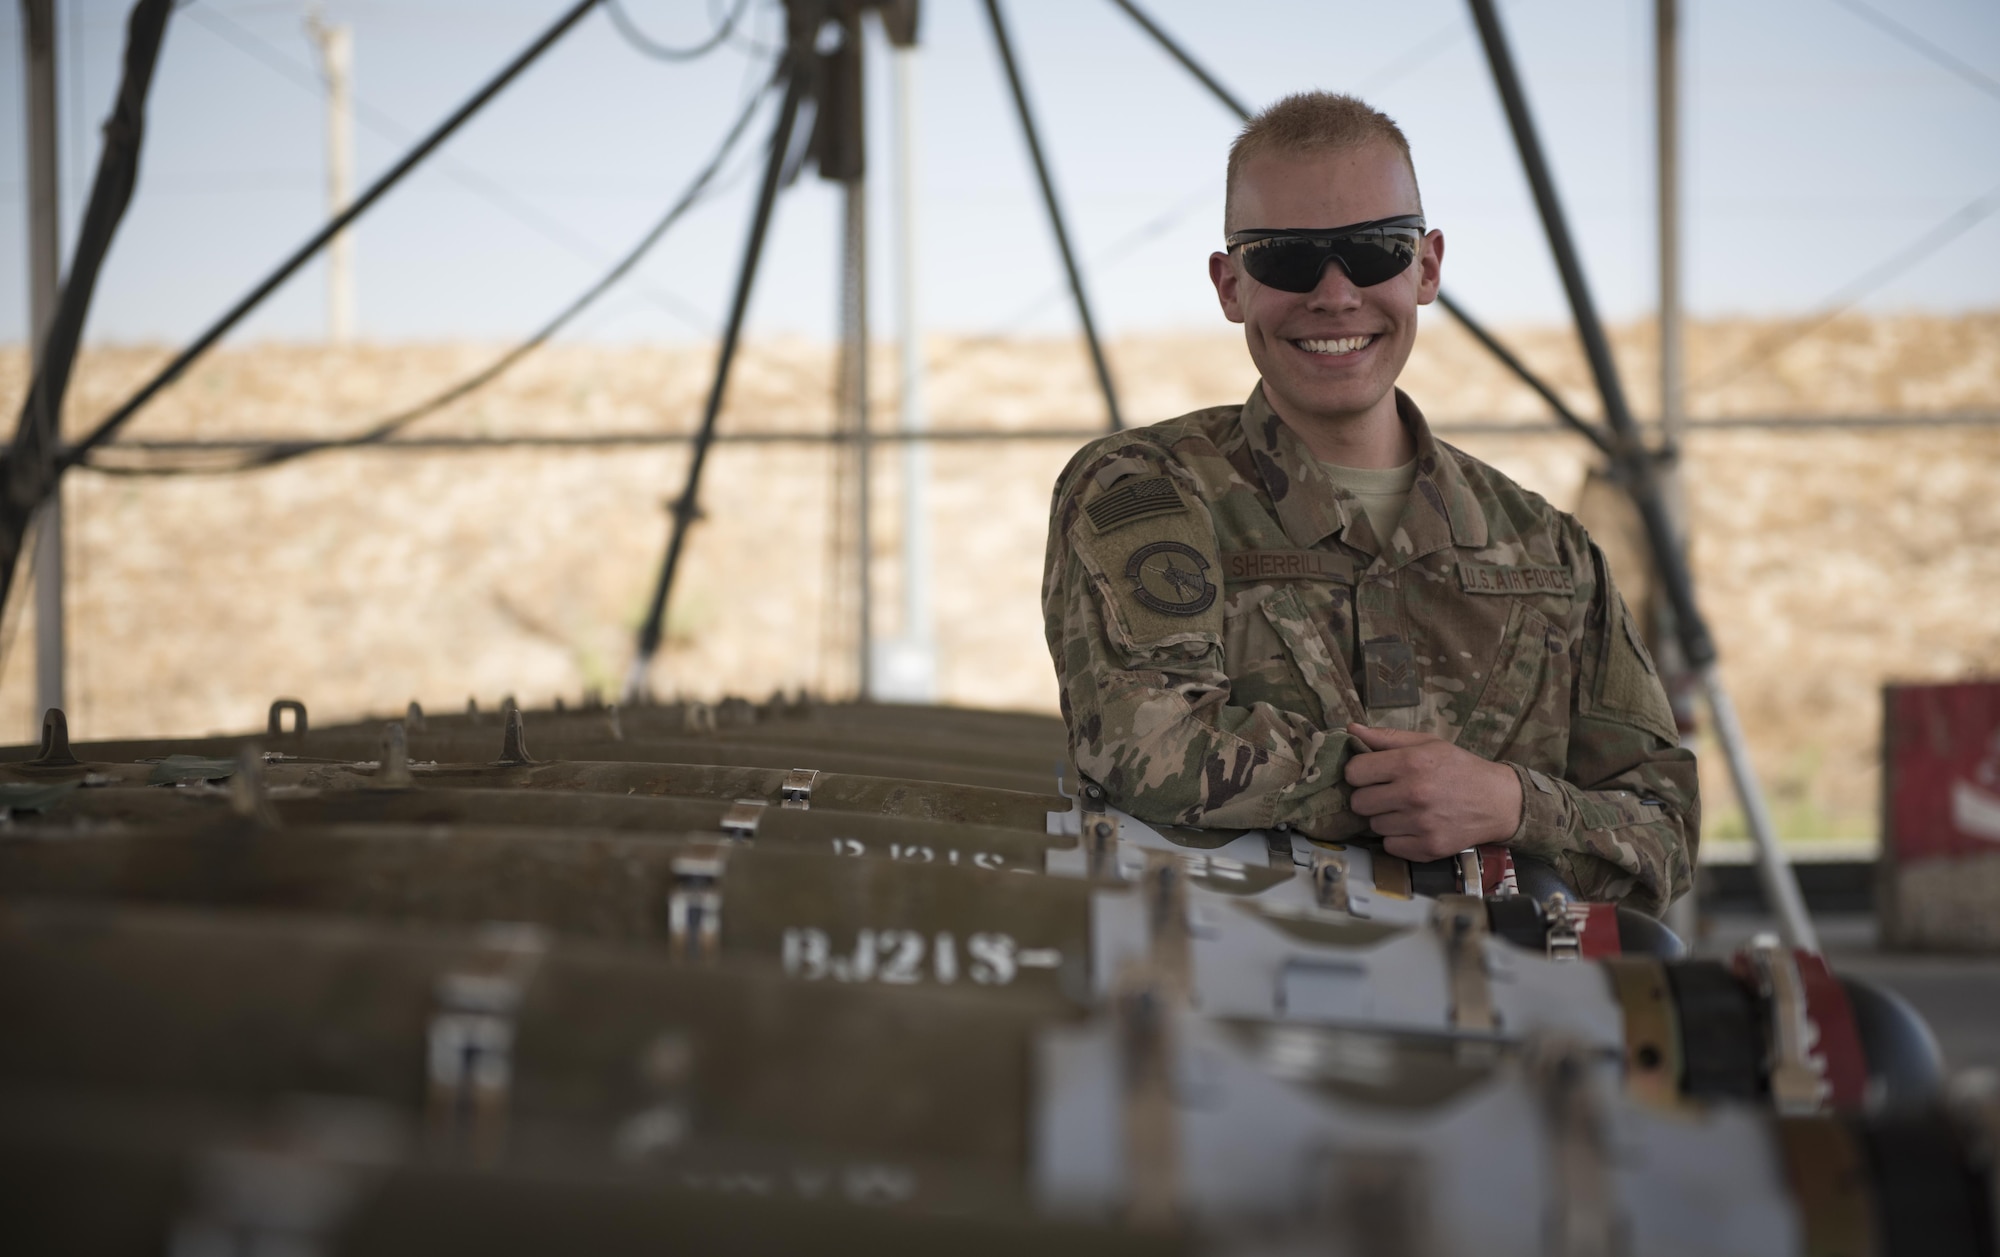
(1427, 798)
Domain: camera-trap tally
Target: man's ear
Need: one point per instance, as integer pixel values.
(1222, 273)
(1430, 268)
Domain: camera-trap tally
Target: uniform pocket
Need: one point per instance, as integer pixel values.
(1320, 662)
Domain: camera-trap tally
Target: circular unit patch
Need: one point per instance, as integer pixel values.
(1167, 576)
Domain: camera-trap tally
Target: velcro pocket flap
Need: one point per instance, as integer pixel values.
(1628, 685)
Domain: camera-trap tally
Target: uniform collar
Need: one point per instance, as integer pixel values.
(1442, 511)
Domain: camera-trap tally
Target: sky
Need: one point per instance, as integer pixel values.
(1817, 147)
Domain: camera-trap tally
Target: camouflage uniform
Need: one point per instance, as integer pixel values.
(1219, 610)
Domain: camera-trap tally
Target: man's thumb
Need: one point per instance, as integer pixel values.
(1386, 739)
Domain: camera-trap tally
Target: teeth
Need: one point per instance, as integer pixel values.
(1345, 345)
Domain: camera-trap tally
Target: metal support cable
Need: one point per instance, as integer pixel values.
(1937, 55)
(33, 464)
(1555, 224)
(390, 128)
(304, 253)
(684, 508)
(1235, 105)
(1570, 419)
(380, 431)
(955, 436)
(643, 43)
(1637, 467)
(1173, 49)
(1028, 132)
(1631, 460)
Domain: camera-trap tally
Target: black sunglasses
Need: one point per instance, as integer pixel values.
(1291, 259)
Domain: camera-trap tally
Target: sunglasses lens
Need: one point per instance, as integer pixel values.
(1294, 263)
(1372, 257)
(1287, 263)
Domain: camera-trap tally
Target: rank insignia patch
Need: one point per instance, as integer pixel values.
(1389, 673)
(1168, 577)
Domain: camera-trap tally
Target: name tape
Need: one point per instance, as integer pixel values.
(1257, 565)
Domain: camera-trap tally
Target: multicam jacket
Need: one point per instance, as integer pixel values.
(1219, 610)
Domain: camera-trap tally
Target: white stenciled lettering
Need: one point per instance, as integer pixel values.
(860, 966)
(869, 1183)
(992, 959)
(906, 957)
(805, 954)
(848, 846)
(904, 950)
(922, 855)
(987, 860)
(880, 1184)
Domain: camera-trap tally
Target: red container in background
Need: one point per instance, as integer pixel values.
(1940, 883)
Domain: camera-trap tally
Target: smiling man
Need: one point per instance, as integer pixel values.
(1305, 612)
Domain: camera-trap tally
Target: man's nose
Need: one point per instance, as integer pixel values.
(1335, 291)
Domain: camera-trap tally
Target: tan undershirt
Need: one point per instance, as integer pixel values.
(1382, 491)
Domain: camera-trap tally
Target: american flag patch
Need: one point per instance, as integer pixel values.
(1133, 500)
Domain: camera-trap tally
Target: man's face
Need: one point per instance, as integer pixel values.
(1333, 354)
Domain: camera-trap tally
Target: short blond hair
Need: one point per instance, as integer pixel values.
(1313, 122)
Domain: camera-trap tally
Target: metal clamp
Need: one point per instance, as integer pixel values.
(1471, 878)
(1146, 1057)
(471, 1043)
(55, 751)
(514, 742)
(694, 908)
(1100, 845)
(797, 790)
(1090, 797)
(1460, 921)
(1562, 939)
(394, 773)
(1797, 1072)
(1329, 881)
(1582, 1214)
(248, 797)
(1652, 1028)
(1166, 896)
(740, 821)
(277, 720)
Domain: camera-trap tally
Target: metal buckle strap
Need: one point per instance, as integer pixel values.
(1145, 1015)
(1329, 881)
(1652, 1029)
(1564, 943)
(694, 907)
(1165, 888)
(1797, 1072)
(797, 791)
(471, 1041)
(1582, 1208)
(1460, 921)
(741, 820)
